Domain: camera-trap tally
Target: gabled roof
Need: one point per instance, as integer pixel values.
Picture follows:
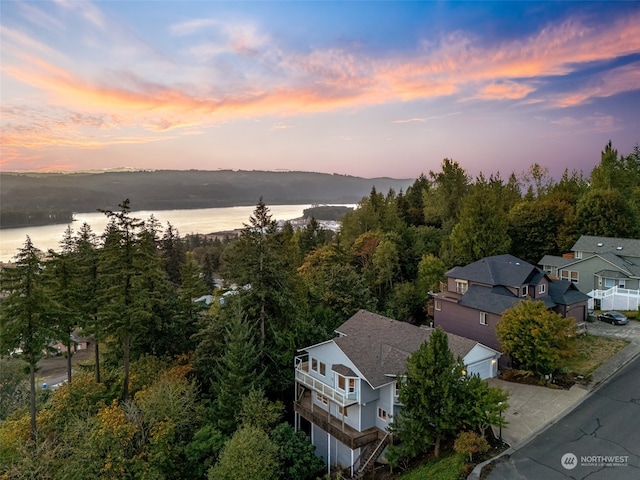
(564, 292)
(379, 346)
(629, 247)
(556, 261)
(505, 270)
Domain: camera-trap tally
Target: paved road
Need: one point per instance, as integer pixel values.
(606, 424)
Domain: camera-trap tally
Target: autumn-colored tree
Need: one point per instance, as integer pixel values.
(469, 443)
(535, 337)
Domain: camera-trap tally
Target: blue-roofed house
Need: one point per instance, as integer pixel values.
(473, 298)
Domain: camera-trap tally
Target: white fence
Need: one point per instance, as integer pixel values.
(615, 298)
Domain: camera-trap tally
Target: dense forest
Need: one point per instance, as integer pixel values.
(183, 390)
(24, 195)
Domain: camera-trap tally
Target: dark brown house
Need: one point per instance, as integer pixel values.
(474, 297)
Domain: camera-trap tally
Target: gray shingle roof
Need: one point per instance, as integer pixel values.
(563, 292)
(379, 346)
(555, 261)
(588, 243)
(504, 270)
(621, 263)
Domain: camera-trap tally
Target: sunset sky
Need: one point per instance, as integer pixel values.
(359, 88)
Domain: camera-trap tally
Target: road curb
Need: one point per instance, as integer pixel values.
(611, 366)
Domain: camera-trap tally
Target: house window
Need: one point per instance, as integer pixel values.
(484, 318)
(569, 275)
(318, 367)
(542, 288)
(461, 286)
(397, 386)
(608, 282)
(343, 411)
(382, 414)
(524, 291)
(621, 283)
(344, 383)
(577, 254)
(322, 399)
(438, 305)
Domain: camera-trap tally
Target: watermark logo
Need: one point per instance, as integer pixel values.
(569, 461)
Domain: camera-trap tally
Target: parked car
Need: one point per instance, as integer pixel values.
(614, 318)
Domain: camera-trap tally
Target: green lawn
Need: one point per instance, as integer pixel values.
(593, 351)
(445, 468)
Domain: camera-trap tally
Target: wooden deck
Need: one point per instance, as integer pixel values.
(336, 427)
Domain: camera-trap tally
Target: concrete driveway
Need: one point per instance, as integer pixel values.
(630, 331)
(532, 408)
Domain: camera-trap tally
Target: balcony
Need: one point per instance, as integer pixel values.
(335, 427)
(306, 379)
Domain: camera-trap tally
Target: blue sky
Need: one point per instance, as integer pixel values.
(359, 88)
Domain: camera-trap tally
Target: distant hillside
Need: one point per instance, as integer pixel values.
(178, 189)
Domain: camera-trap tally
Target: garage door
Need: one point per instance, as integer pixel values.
(483, 368)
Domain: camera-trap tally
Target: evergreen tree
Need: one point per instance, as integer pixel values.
(431, 394)
(27, 316)
(62, 275)
(237, 372)
(125, 304)
(87, 260)
(606, 213)
(483, 224)
(249, 455)
(173, 253)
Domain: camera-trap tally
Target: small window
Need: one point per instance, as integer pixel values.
(524, 291)
(438, 305)
(621, 283)
(322, 399)
(574, 277)
(343, 411)
(352, 385)
(542, 288)
(397, 389)
(484, 318)
(318, 367)
(461, 286)
(608, 282)
(341, 383)
(382, 414)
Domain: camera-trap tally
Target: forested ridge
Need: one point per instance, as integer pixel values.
(184, 390)
(180, 189)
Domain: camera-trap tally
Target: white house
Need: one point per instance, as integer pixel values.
(346, 387)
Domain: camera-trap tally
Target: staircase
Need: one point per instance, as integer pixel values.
(375, 453)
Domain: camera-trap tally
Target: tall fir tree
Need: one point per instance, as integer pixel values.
(431, 394)
(27, 316)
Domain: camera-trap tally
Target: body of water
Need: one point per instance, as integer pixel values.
(205, 220)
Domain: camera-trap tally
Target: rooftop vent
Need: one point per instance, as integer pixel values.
(600, 244)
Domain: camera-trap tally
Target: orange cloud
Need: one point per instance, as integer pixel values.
(96, 110)
(623, 79)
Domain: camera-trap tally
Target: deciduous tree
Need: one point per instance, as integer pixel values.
(535, 337)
